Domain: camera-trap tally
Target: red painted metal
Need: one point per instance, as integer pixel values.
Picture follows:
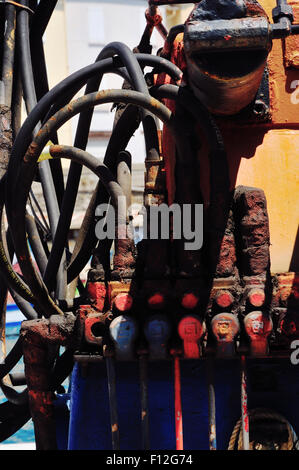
(123, 302)
(258, 327)
(37, 336)
(256, 297)
(191, 330)
(93, 328)
(189, 301)
(178, 405)
(97, 293)
(244, 405)
(225, 326)
(156, 300)
(224, 299)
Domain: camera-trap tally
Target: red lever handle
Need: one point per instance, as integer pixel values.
(258, 326)
(191, 330)
(225, 326)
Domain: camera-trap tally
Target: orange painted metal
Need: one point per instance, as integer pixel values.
(262, 155)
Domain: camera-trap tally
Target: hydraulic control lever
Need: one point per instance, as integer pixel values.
(157, 331)
(258, 327)
(123, 331)
(191, 330)
(225, 327)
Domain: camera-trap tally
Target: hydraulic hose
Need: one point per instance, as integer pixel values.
(79, 78)
(44, 167)
(8, 53)
(28, 171)
(36, 244)
(107, 179)
(137, 79)
(75, 81)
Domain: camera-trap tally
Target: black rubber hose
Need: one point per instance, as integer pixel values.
(75, 81)
(44, 167)
(12, 358)
(24, 57)
(158, 63)
(8, 53)
(16, 101)
(123, 131)
(12, 279)
(121, 134)
(72, 185)
(104, 174)
(17, 398)
(86, 239)
(138, 82)
(16, 283)
(28, 166)
(24, 306)
(117, 137)
(41, 17)
(12, 418)
(36, 244)
(2, 31)
(38, 25)
(41, 88)
(191, 103)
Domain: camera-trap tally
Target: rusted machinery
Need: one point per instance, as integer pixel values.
(203, 338)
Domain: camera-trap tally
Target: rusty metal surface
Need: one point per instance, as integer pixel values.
(38, 337)
(221, 35)
(224, 78)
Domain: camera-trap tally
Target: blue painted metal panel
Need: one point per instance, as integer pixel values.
(90, 420)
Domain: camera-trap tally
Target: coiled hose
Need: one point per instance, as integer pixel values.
(42, 293)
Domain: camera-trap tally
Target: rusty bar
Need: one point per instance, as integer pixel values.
(38, 336)
(154, 20)
(244, 405)
(232, 34)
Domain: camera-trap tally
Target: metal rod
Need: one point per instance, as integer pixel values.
(112, 402)
(244, 405)
(212, 406)
(143, 369)
(178, 405)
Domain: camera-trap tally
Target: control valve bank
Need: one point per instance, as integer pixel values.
(187, 337)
